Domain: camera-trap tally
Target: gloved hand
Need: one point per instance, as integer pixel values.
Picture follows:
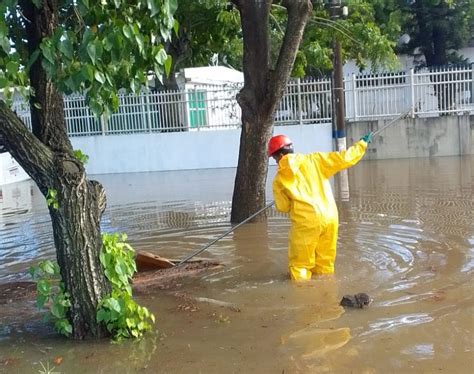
(368, 137)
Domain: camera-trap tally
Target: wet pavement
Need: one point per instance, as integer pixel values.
(406, 238)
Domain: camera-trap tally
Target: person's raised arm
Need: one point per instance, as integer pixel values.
(333, 162)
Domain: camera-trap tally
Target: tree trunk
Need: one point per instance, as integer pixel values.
(260, 96)
(47, 156)
(76, 227)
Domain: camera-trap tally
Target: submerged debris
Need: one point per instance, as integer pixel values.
(359, 300)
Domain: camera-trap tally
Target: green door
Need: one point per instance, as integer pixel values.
(197, 109)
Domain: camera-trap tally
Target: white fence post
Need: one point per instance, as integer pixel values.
(103, 125)
(147, 109)
(354, 96)
(300, 107)
(412, 90)
(472, 85)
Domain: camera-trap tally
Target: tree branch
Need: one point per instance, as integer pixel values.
(33, 156)
(298, 14)
(254, 18)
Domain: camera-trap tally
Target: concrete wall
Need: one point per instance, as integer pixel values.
(184, 150)
(417, 137)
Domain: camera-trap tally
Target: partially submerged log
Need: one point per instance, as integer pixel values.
(163, 278)
(147, 261)
(153, 271)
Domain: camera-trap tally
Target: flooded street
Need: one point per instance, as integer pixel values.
(406, 238)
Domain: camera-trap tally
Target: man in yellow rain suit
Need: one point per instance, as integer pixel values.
(301, 188)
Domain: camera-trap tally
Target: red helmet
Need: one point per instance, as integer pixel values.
(277, 142)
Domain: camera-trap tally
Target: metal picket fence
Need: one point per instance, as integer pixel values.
(427, 92)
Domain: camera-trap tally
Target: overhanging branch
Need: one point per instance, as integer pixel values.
(298, 14)
(33, 156)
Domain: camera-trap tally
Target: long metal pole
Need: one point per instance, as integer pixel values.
(225, 234)
(403, 115)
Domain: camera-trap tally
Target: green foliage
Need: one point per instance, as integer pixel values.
(50, 293)
(52, 198)
(362, 37)
(81, 156)
(123, 317)
(207, 28)
(98, 48)
(430, 25)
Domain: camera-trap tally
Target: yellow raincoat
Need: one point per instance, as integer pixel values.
(301, 188)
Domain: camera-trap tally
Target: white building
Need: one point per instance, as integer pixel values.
(10, 171)
(209, 91)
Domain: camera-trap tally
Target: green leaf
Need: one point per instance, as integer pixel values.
(127, 31)
(85, 3)
(103, 315)
(99, 77)
(66, 48)
(140, 42)
(41, 300)
(176, 27)
(161, 56)
(115, 305)
(32, 59)
(47, 266)
(12, 67)
(169, 7)
(57, 310)
(168, 64)
(92, 52)
(87, 72)
(5, 44)
(95, 107)
(153, 6)
(3, 82)
(47, 50)
(49, 67)
(43, 287)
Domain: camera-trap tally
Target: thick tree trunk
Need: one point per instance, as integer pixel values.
(76, 223)
(47, 156)
(76, 227)
(260, 96)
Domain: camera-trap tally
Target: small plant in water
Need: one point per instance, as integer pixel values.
(123, 317)
(50, 293)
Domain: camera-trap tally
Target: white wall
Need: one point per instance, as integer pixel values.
(184, 150)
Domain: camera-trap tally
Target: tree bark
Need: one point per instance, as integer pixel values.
(46, 103)
(47, 156)
(260, 96)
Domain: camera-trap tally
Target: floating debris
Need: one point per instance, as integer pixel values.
(359, 300)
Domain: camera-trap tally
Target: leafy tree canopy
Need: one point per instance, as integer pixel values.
(99, 47)
(436, 28)
(210, 27)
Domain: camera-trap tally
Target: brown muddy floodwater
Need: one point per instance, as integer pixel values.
(406, 238)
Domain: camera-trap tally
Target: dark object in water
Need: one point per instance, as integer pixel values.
(359, 300)
(147, 261)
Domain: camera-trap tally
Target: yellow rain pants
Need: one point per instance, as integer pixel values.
(301, 188)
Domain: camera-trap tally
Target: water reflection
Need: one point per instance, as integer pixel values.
(406, 238)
